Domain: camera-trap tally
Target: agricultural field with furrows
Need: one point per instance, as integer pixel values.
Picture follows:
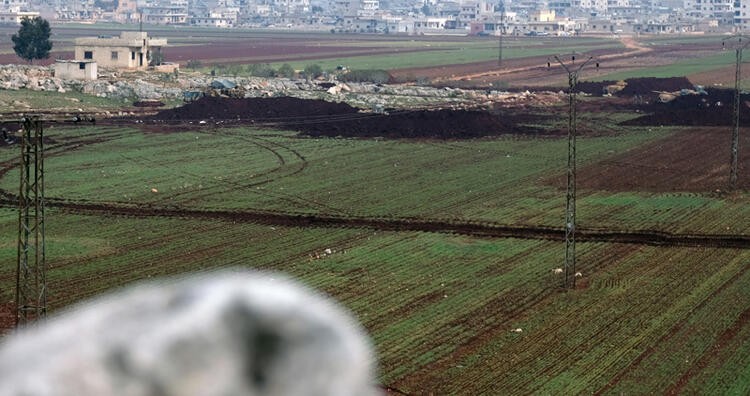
(513, 180)
(444, 249)
(443, 308)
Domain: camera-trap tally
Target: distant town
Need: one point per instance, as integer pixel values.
(467, 17)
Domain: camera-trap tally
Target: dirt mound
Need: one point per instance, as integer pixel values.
(714, 109)
(441, 124)
(635, 86)
(259, 109)
(646, 85)
(321, 118)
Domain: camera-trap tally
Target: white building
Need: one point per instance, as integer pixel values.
(15, 17)
(132, 50)
(75, 69)
(174, 13)
(721, 10)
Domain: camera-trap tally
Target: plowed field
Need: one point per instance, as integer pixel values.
(442, 244)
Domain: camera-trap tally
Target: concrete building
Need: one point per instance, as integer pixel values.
(75, 69)
(15, 17)
(742, 15)
(126, 11)
(721, 10)
(132, 50)
(174, 13)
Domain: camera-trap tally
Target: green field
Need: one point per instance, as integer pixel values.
(443, 307)
(644, 319)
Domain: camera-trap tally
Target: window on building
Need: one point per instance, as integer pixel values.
(132, 55)
(114, 55)
(82, 65)
(88, 54)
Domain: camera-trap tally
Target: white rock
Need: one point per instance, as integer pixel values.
(234, 333)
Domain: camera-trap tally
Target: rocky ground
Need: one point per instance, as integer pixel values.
(139, 86)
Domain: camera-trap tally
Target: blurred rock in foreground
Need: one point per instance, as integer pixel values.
(232, 333)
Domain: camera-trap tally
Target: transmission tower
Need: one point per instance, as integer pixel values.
(500, 36)
(570, 196)
(31, 272)
(739, 43)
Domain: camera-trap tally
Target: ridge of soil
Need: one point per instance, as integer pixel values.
(647, 237)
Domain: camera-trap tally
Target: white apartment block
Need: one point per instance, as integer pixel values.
(292, 7)
(15, 17)
(721, 10)
(595, 5)
(14, 5)
(344, 8)
(742, 15)
(173, 13)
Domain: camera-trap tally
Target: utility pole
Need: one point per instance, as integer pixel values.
(739, 45)
(31, 271)
(570, 196)
(502, 32)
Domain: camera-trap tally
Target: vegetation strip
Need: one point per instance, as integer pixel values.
(644, 237)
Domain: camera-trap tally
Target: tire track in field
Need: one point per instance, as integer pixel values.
(466, 227)
(265, 177)
(54, 149)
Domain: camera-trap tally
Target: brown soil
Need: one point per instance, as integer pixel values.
(254, 109)
(7, 317)
(679, 162)
(713, 109)
(321, 118)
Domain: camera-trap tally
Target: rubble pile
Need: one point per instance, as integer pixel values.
(138, 86)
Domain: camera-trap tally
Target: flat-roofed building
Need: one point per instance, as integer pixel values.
(75, 69)
(132, 50)
(15, 17)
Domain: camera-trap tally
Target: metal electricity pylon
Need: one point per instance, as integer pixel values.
(739, 42)
(500, 36)
(31, 272)
(570, 197)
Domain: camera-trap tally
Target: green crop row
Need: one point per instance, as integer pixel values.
(448, 307)
(506, 180)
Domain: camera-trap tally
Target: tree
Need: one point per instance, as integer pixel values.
(286, 70)
(32, 40)
(313, 71)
